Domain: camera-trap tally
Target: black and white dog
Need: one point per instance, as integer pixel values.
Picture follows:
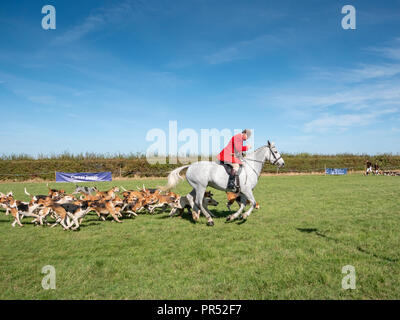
(85, 190)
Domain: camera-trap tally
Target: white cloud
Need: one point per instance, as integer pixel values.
(360, 97)
(389, 52)
(47, 100)
(90, 24)
(359, 74)
(242, 50)
(98, 20)
(374, 71)
(365, 71)
(344, 121)
(350, 98)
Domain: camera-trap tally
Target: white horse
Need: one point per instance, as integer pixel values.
(205, 173)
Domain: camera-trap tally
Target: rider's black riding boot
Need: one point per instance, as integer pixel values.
(231, 181)
(237, 184)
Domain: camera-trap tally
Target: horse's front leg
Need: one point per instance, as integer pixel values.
(237, 213)
(249, 195)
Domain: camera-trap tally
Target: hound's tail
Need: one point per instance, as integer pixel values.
(173, 178)
(27, 193)
(123, 188)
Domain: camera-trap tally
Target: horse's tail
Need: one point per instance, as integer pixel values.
(173, 178)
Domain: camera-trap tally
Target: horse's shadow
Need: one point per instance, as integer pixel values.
(185, 215)
(221, 214)
(188, 217)
(226, 213)
(216, 215)
(91, 223)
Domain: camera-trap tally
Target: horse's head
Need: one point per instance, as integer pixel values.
(275, 157)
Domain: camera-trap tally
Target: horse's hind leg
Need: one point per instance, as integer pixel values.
(199, 203)
(196, 210)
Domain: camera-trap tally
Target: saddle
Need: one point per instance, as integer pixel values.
(232, 184)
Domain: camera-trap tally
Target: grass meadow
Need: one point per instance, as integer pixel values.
(293, 247)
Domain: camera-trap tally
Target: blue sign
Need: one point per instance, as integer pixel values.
(335, 171)
(83, 177)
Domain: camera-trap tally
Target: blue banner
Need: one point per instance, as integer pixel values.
(83, 177)
(335, 171)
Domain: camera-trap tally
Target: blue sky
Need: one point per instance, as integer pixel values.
(113, 70)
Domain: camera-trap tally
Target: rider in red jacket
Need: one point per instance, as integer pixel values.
(230, 155)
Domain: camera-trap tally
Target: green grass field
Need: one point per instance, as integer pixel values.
(294, 247)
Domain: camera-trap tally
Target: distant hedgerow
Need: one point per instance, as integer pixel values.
(23, 167)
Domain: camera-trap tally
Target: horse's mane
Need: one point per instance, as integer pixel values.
(258, 149)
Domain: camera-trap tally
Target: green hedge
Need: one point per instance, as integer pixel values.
(24, 167)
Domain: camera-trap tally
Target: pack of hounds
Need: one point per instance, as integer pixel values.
(69, 210)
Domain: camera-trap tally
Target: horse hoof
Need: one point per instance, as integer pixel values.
(244, 217)
(210, 223)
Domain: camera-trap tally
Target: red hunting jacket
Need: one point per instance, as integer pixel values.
(228, 153)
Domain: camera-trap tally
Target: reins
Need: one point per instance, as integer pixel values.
(276, 159)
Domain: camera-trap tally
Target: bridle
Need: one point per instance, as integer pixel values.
(276, 159)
